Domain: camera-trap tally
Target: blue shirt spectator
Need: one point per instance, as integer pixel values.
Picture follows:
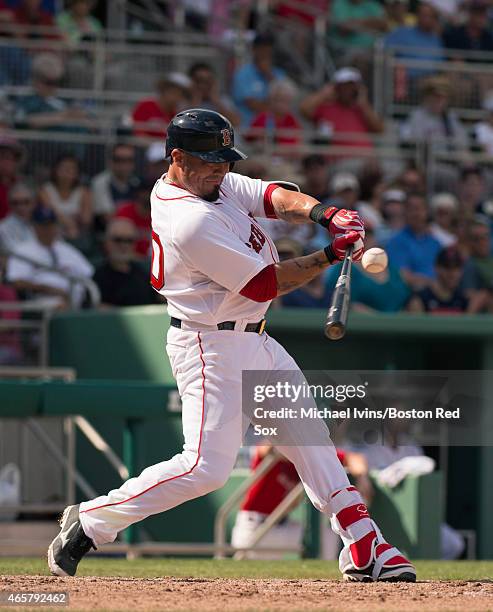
(384, 292)
(315, 296)
(413, 250)
(420, 42)
(251, 81)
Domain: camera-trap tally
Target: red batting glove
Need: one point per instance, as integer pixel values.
(336, 251)
(345, 221)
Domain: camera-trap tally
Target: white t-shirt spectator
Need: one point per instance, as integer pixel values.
(484, 135)
(13, 231)
(63, 257)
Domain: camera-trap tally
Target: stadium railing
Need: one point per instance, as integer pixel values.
(112, 62)
(42, 148)
(397, 78)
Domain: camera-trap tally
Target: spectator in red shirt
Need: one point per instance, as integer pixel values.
(278, 123)
(297, 12)
(342, 107)
(139, 212)
(157, 112)
(10, 159)
(31, 13)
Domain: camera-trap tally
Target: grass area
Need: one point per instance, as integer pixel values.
(210, 568)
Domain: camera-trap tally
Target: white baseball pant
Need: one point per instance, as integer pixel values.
(208, 368)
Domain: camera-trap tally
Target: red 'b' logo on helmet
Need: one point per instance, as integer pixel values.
(226, 137)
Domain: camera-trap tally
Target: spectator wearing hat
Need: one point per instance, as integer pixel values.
(420, 42)
(473, 35)
(342, 107)
(138, 211)
(444, 211)
(398, 14)
(10, 160)
(356, 24)
(43, 109)
(47, 249)
(116, 184)
(151, 116)
(16, 227)
(393, 214)
(433, 121)
(251, 81)
(413, 250)
(205, 93)
(345, 190)
(483, 130)
(278, 123)
(382, 292)
(155, 163)
(444, 294)
(76, 22)
(121, 280)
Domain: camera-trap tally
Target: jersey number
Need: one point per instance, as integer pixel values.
(257, 239)
(157, 263)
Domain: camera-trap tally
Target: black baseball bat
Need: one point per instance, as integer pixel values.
(335, 325)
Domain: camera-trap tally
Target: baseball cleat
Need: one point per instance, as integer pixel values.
(388, 565)
(70, 545)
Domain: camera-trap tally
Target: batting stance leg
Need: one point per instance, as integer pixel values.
(212, 428)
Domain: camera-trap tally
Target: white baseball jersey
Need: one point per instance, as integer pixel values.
(204, 252)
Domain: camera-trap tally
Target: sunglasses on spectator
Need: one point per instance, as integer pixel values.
(120, 159)
(122, 239)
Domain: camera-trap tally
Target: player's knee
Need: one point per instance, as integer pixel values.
(211, 481)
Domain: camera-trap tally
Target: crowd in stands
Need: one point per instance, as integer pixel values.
(96, 224)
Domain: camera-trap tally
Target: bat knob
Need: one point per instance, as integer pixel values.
(335, 331)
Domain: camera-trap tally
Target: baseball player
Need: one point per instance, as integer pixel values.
(219, 271)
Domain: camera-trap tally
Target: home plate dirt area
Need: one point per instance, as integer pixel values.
(230, 594)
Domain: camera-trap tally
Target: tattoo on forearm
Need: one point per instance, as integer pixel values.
(297, 272)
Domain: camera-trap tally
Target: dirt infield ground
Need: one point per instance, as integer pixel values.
(233, 594)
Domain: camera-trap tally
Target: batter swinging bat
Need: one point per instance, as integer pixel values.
(335, 325)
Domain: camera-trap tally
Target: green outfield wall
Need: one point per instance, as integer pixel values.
(129, 345)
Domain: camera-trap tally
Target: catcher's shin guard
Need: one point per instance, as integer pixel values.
(366, 556)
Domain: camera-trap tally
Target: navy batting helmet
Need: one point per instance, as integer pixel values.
(203, 133)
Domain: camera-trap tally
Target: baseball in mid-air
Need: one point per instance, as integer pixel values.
(374, 260)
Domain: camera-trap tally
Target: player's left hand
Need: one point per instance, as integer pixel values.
(337, 250)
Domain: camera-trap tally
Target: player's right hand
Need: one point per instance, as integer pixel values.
(345, 220)
(336, 251)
